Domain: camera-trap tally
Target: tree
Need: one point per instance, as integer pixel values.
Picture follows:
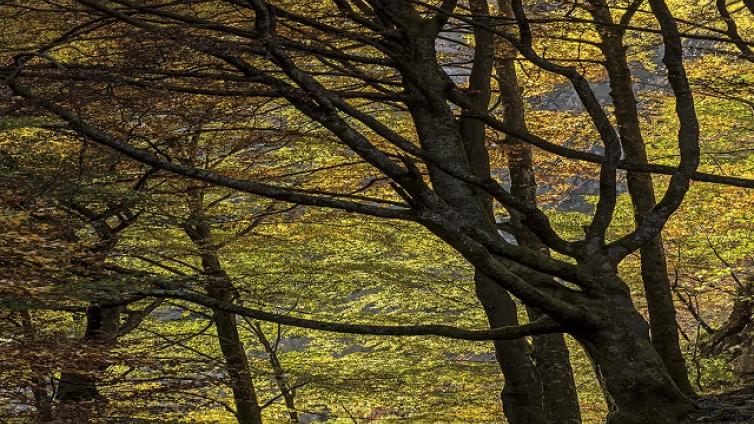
(329, 65)
(86, 207)
(550, 352)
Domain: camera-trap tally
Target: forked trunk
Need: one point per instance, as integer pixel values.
(654, 267)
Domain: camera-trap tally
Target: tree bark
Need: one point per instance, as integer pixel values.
(550, 352)
(522, 399)
(523, 395)
(244, 395)
(634, 379)
(662, 313)
(42, 399)
(553, 363)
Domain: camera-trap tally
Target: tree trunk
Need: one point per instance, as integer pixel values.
(522, 402)
(636, 384)
(654, 272)
(561, 403)
(662, 313)
(236, 363)
(219, 286)
(635, 381)
(732, 331)
(77, 391)
(244, 395)
(435, 122)
(553, 363)
(38, 386)
(522, 393)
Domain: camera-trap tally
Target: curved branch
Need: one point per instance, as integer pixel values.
(579, 155)
(732, 30)
(688, 140)
(542, 326)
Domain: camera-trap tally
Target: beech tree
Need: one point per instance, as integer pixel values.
(370, 75)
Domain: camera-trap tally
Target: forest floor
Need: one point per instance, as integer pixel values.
(734, 407)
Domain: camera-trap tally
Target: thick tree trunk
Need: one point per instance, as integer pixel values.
(636, 384)
(550, 353)
(522, 399)
(635, 381)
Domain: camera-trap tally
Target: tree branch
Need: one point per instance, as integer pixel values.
(543, 326)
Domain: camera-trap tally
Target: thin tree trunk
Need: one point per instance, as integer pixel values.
(42, 399)
(244, 395)
(278, 372)
(561, 403)
(220, 287)
(553, 362)
(662, 313)
(521, 394)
